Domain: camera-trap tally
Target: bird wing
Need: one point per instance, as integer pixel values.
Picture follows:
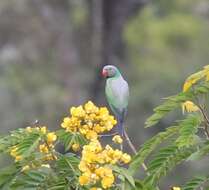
(117, 92)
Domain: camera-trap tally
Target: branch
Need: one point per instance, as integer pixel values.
(134, 150)
(206, 123)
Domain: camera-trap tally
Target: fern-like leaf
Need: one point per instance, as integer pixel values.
(202, 151)
(68, 139)
(28, 145)
(7, 176)
(149, 146)
(188, 129)
(33, 180)
(12, 139)
(165, 160)
(195, 183)
(174, 102)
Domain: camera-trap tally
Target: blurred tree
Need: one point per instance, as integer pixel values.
(109, 19)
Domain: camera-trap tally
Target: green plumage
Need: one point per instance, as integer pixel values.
(117, 93)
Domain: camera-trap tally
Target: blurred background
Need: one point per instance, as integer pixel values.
(52, 53)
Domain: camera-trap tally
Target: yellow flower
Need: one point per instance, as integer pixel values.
(206, 72)
(45, 165)
(117, 139)
(29, 129)
(49, 157)
(83, 166)
(13, 151)
(90, 107)
(192, 79)
(18, 158)
(76, 147)
(91, 135)
(77, 111)
(84, 180)
(66, 122)
(175, 188)
(43, 129)
(51, 137)
(126, 158)
(107, 181)
(43, 148)
(189, 106)
(95, 188)
(25, 168)
(89, 120)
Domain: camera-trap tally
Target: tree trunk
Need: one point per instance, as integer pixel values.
(109, 20)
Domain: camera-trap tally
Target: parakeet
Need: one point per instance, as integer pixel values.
(117, 94)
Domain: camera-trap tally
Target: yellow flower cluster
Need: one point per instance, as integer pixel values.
(15, 154)
(175, 188)
(75, 147)
(94, 164)
(48, 146)
(117, 139)
(42, 129)
(33, 166)
(89, 120)
(189, 106)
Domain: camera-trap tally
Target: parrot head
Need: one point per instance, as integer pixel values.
(110, 71)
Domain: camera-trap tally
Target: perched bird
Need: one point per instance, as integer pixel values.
(117, 94)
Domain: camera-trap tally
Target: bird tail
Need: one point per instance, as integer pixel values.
(120, 126)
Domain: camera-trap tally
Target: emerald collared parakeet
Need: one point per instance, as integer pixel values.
(117, 94)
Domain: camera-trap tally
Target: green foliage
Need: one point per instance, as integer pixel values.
(150, 146)
(28, 145)
(175, 102)
(165, 160)
(202, 151)
(14, 138)
(7, 176)
(68, 139)
(188, 129)
(39, 166)
(33, 179)
(195, 183)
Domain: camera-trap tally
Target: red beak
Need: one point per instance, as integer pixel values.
(104, 73)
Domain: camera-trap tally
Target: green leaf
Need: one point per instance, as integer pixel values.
(188, 129)
(7, 175)
(126, 174)
(32, 179)
(68, 138)
(68, 163)
(170, 104)
(165, 160)
(202, 151)
(28, 145)
(12, 139)
(150, 146)
(195, 183)
(176, 101)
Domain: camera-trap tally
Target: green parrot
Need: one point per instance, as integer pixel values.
(117, 94)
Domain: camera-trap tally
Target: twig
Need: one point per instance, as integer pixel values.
(134, 150)
(206, 123)
(108, 135)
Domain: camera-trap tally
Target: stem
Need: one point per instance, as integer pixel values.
(108, 135)
(206, 123)
(134, 150)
